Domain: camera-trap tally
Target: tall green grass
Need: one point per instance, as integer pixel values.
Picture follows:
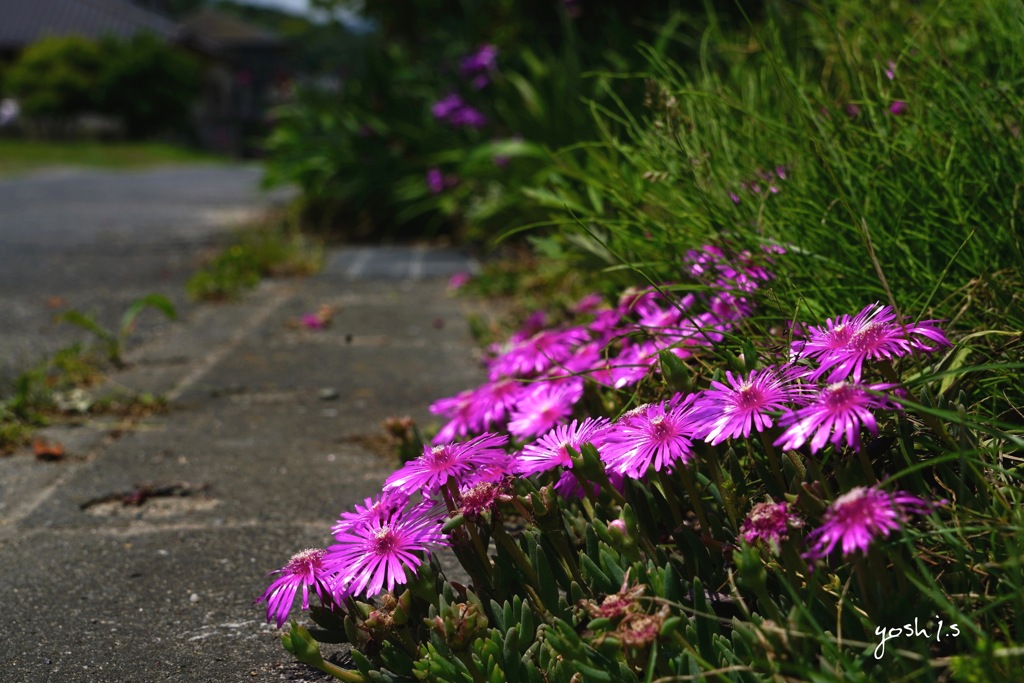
(903, 183)
(921, 210)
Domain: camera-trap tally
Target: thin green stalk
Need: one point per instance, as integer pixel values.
(670, 498)
(686, 476)
(518, 557)
(345, 675)
(728, 497)
(889, 374)
(773, 461)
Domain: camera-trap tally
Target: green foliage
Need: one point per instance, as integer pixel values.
(57, 385)
(56, 77)
(917, 208)
(44, 389)
(147, 83)
(112, 342)
(263, 251)
(362, 155)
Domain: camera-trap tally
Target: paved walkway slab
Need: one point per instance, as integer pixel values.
(271, 434)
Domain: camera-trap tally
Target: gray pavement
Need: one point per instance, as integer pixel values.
(97, 240)
(95, 590)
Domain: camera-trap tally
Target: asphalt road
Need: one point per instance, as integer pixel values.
(272, 431)
(97, 240)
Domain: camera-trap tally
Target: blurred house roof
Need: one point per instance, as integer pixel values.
(24, 21)
(216, 31)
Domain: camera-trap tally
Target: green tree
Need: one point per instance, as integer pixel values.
(56, 77)
(147, 83)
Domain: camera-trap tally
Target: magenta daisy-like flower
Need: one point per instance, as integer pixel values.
(842, 347)
(769, 522)
(496, 399)
(630, 366)
(463, 415)
(729, 411)
(546, 406)
(568, 486)
(839, 411)
(540, 352)
(446, 106)
(859, 516)
(485, 58)
(475, 410)
(305, 570)
(589, 303)
(654, 318)
(653, 435)
(431, 471)
(381, 509)
(378, 555)
(605, 326)
(551, 450)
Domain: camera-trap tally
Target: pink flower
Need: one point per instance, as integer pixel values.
(726, 412)
(377, 555)
(551, 450)
(839, 410)
(435, 180)
(843, 346)
(568, 486)
(467, 116)
(484, 59)
(769, 522)
(312, 321)
(543, 350)
(458, 280)
(898, 108)
(446, 106)
(386, 506)
(859, 516)
(463, 416)
(627, 368)
(589, 303)
(545, 407)
(652, 435)
(431, 471)
(305, 569)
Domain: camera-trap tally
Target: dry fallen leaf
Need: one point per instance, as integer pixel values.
(48, 451)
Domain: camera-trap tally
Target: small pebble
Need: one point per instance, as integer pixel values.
(328, 394)
(194, 598)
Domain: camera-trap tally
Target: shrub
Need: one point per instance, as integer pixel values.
(143, 81)
(147, 83)
(57, 77)
(382, 158)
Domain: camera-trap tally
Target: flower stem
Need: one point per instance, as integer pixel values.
(889, 374)
(691, 490)
(521, 561)
(773, 461)
(673, 504)
(865, 464)
(339, 673)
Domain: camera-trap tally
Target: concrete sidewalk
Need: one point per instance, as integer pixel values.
(271, 434)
